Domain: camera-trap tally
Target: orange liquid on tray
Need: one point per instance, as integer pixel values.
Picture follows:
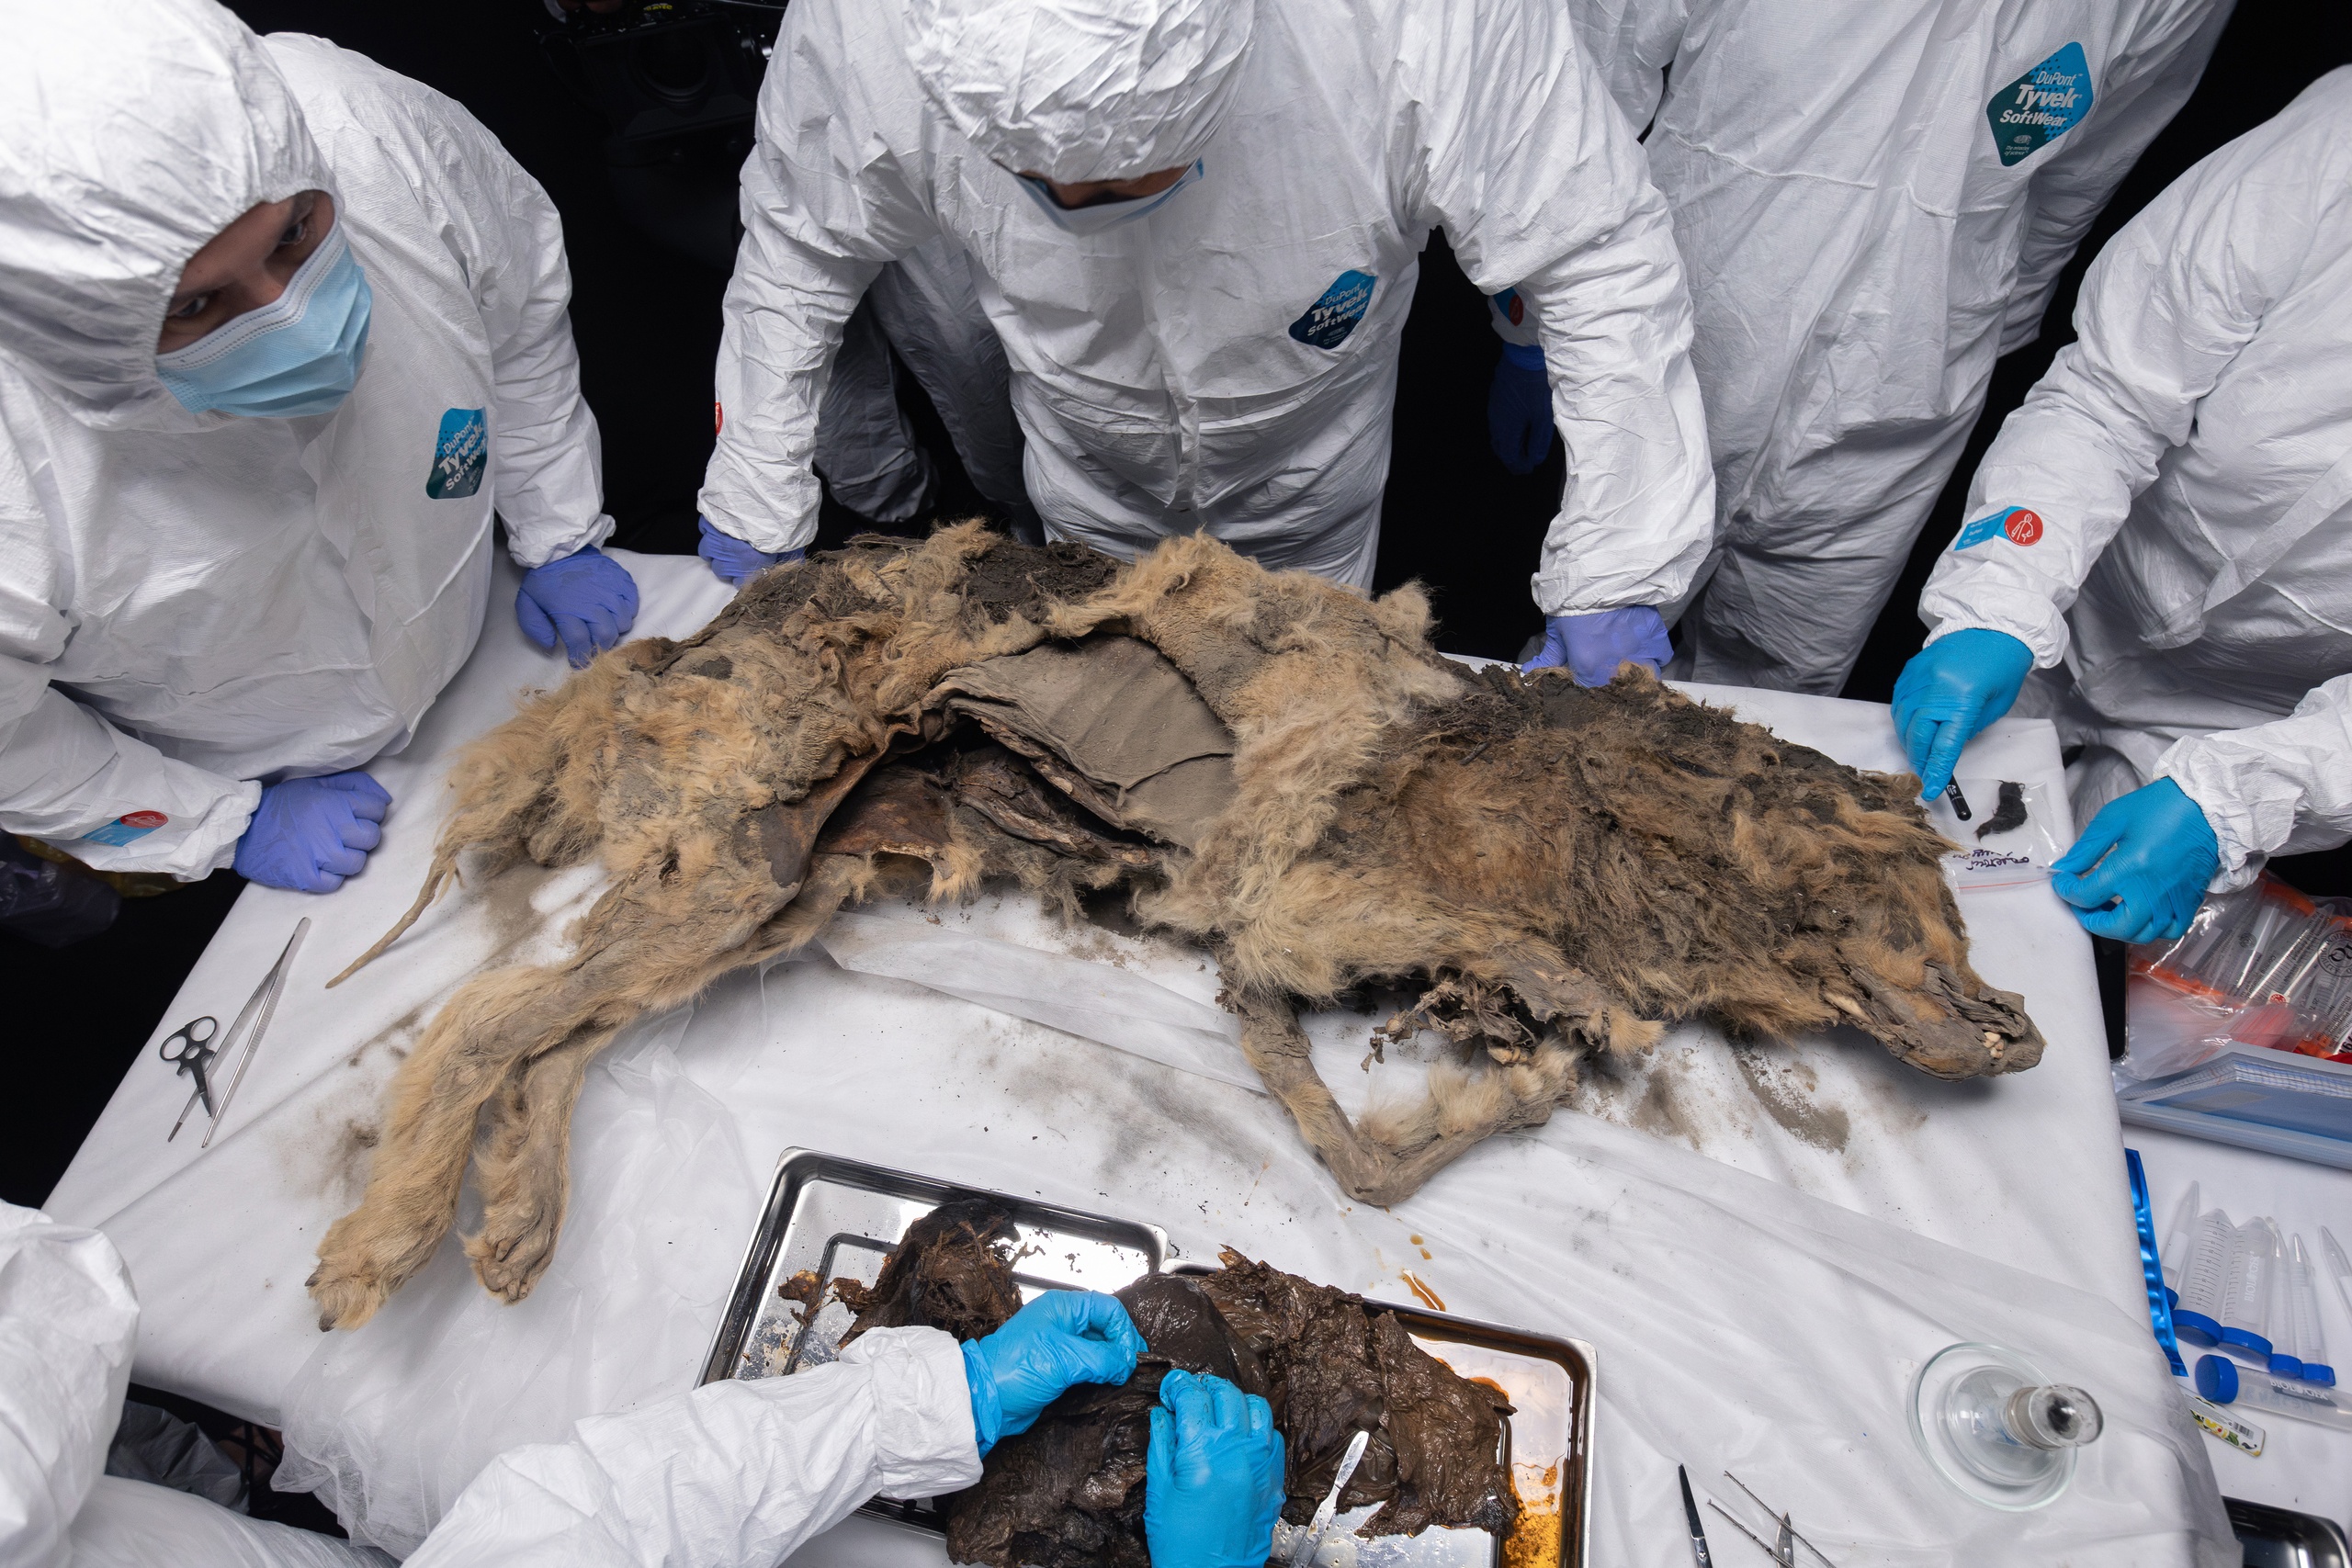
(1541, 1401)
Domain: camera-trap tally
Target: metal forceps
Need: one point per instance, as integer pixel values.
(256, 1011)
(190, 1047)
(1782, 1551)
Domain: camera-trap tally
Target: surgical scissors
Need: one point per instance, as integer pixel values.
(190, 1046)
(263, 1003)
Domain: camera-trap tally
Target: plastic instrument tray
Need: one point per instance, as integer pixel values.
(837, 1218)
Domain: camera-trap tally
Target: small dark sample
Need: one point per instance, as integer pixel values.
(2007, 813)
(806, 1290)
(950, 1271)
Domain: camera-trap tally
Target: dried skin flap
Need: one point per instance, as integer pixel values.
(1134, 742)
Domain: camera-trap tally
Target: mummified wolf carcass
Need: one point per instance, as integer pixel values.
(1274, 767)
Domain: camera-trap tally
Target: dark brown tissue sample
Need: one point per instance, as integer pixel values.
(1334, 1366)
(950, 1271)
(1068, 1492)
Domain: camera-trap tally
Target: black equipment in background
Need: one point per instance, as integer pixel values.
(677, 83)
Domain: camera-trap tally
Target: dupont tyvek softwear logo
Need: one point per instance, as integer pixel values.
(1514, 307)
(1331, 319)
(2014, 524)
(2040, 105)
(127, 826)
(460, 456)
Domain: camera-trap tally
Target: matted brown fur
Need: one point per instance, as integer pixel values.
(1557, 869)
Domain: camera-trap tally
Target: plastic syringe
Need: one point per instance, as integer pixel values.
(2223, 1381)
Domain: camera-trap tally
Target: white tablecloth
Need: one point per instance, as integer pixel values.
(1765, 1242)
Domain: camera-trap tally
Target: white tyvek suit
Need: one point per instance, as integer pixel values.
(926, 307)
(1228, 361)
(733, 1474)
(736, 1473)
(68, 1320)
(1859, 253)
(2187, 469)
(191, 603)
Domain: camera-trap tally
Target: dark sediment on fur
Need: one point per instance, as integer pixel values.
(1554, 870)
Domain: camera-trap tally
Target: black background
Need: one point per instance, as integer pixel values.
(645, 317)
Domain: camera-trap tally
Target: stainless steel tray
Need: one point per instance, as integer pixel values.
(837, 1218)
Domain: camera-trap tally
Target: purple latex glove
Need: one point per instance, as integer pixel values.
(1593, 645)
(1951, 689)
(309, 834)
(1213, 1475)
(2150, 853)
(586, 598)
(1518, 409)
(733, 559)
(1062, 1338)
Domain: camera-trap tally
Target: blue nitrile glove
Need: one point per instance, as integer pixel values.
(309, 834)
(586, 598)
(2154, 852)
(1212, 1476)
(1062, 1338)
(1951, 689)
(1518, 409)
(1594, 643)
(733, 559)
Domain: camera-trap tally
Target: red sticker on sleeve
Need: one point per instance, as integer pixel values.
(717, 418)
(2023, 528)
(142, 819)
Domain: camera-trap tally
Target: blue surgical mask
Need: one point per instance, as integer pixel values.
(298, 355)
(1102, 214)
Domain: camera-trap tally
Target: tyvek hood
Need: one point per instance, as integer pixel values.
(132, 133)
(1083, 89)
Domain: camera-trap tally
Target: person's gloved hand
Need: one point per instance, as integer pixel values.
(309, 834)
(1518, 409)
(733, 559)
(1951, 689)
(1593, 645)
(586, 598)
(1212, 1476)
(2150, 852)
(1062, 1338)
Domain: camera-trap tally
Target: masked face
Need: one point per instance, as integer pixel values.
(298, 355)
(1095, 217)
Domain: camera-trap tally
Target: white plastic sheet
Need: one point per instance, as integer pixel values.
(1091, 998)
(1765, 1322)
(130, 1524)
(445, 1359)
